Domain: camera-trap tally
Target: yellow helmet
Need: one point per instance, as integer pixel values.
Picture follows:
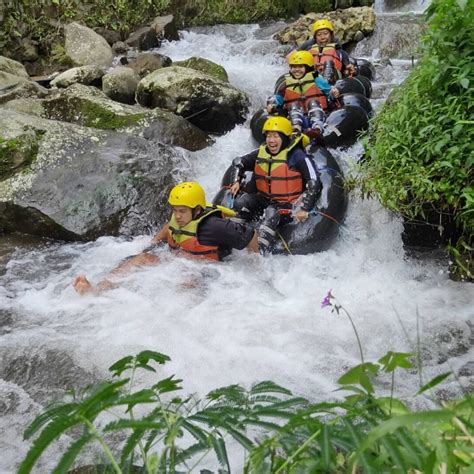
(322, 25)
(301, 57)
(278, 124)
(189, 194)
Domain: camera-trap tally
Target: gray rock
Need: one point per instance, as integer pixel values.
(14, 87)
(105, 183)
(87, 75)
(84, 46)
(13, 67)
(120, 84)
(145, 63)
(346, 25)
(165, 28)
(119, 47)
(110, 36)
(143, 39)
(210, 104)
(206, 66)
(28, 49)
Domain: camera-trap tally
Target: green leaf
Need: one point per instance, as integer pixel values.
(465, 82)
(196, 432)
(70, 455)
(168, 385)
(389, 426)
(145, 356)
(121, 365)
(221, 452)
(52, 413)
(359, 375)
(49, 434)
(433, 382)
(268, 386)
(462, 4)
(325, 447)
(391, 360)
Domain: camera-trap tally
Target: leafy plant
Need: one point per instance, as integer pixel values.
(420, 149)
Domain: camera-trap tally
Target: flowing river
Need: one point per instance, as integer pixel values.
(242, 321)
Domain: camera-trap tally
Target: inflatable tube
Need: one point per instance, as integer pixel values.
(357, 100)
(355, 84)
(343, 126)
(365, 68)
(319, 231)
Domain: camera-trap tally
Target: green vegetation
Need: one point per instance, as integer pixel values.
(422, 142)
(18, 153)
(162, 432)
(33, 19)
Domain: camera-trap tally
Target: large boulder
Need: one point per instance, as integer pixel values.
(13, 67)
(165, 28)
(143, 39)
(87, 75)
(120, 84)
(149, 62)
(208, 103)
(350, 25)
(82, 183)
(15, 87)
(206, 66)
(88, 106)
(84, 46)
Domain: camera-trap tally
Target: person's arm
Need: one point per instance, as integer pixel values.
(331, 92)
(310, 176)
(240, 165)
(227, 233)
(83, 286)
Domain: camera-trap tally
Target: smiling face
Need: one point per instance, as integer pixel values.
(183, 215)
(323, 37)
(274, 142)
(297, 70)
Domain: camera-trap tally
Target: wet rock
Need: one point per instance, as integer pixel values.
(87, 75)
(41, 375)
(143, 39)
(13, 67)
(28, 49)
(467, 370)
(165, 28)
(205, 66)
(210, 104)
(145, 63)
(110, 36)
(348, 24)
(90, 107)
(447, 341)
(120, 84)
(105, 183)
(84, 46)
(119, 47)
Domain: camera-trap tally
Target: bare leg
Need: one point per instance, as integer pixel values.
(82, 285)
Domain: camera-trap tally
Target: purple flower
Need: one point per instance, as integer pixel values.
(327, 300)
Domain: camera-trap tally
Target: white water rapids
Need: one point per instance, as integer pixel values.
(242, 321)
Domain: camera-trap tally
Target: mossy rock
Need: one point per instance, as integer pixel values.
(90, 107)
(205, 66)
(18, 153)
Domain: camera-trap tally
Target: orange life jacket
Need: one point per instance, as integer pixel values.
(302, 90)
(321, 54)
(274, 177)
(185, 238)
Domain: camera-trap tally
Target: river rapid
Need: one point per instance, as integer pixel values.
(242, 321)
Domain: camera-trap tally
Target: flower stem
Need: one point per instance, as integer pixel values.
(356, 334)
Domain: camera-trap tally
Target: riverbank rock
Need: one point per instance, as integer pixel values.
(87, 75)
(350, 25)
(13, 67)
(120, 84)
(89, 106)
(165, 28)
(143, 39)
(105, 183)
(16, 87)
(145, 63)
(84, 46)
(205, 66)
(210, 104)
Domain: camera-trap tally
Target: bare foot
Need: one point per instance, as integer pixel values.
(82, 285)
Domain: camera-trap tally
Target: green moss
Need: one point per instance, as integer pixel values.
(96, 116)
(206, 66)
(18, 153)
